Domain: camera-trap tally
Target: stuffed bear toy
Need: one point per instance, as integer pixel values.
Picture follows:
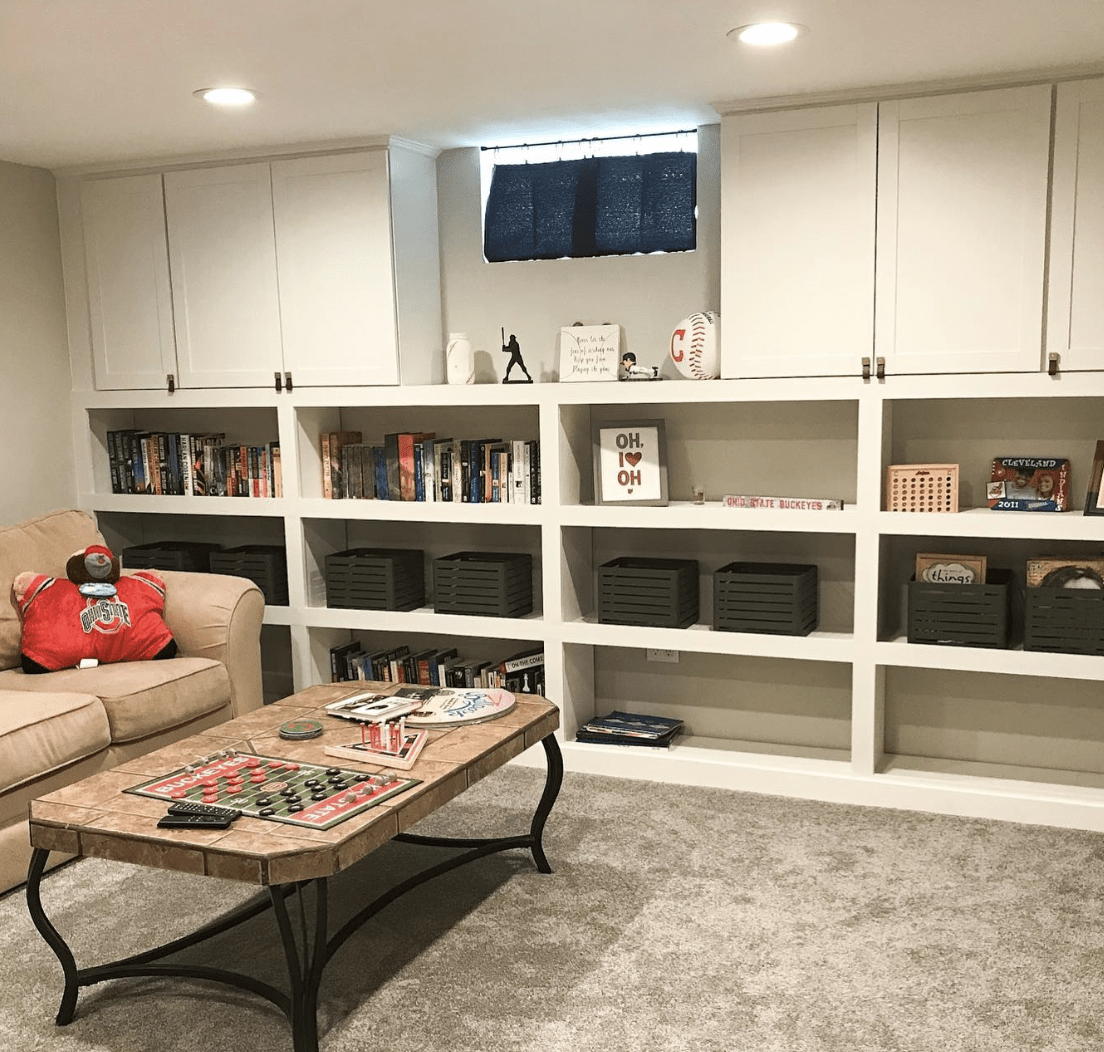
(95, 617)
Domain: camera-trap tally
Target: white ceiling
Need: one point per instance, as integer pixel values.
(103, 81)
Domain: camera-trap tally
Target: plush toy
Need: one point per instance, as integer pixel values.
(95, 617)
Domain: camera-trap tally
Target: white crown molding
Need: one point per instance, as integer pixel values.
(885, 92)
(241, 155)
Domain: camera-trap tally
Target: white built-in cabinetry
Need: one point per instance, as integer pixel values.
(910, 230)
(852, 712)
(257, 274)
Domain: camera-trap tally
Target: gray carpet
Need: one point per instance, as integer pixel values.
(677, 920)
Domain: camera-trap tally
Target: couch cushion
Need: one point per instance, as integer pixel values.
(140, 697)
(44, 731)
(42, 544)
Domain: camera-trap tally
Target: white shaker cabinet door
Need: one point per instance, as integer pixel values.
(337, 292)
(223, 256)
(1075, 306)
(962, 209)
(127, 272)
(797, 245)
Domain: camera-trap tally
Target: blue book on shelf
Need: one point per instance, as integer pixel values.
(379, 458)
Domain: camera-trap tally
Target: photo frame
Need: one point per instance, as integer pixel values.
(1094, 505)
(589, 352)
(630, 462)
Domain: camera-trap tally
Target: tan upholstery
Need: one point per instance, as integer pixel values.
(140, 698)
(40, 734)
(59, 727)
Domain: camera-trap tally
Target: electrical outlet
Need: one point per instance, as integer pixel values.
(662, 655)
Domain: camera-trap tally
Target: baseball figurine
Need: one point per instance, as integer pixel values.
(696, 346)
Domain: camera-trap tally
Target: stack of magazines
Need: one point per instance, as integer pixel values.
(630, 728)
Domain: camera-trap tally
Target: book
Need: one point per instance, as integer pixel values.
(783, 503)
(332, 443)
(630, 728)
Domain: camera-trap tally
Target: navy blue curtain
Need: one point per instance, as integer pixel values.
(597, 206)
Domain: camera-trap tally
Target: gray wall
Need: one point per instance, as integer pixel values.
(647, 295)
(35, 419)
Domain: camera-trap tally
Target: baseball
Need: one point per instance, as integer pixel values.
(696, 346)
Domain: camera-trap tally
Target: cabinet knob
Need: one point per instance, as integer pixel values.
(879, 365)
(866, 368)
(279, 382)
(1052, 363)
(287, 381)
(170, 382)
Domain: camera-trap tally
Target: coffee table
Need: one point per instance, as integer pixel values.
(98, 817)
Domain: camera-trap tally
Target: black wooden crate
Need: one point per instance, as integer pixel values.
(776, 598)
(376, 579)
(662, 593)
(966, 615)
(1064, 620)
(263, 564)
(495, 584)
(189, 556)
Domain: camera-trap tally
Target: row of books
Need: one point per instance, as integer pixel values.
(630, 728)
(437, 667)
(192, 465)
(419, 466)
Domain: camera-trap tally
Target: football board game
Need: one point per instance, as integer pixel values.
(302, 794)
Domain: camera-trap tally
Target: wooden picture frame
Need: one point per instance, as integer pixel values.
(940, 568)
(1094, 503)
(630, 462)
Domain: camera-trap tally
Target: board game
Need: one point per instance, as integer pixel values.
(301, 794)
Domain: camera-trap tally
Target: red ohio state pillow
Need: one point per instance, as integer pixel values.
(61, 627)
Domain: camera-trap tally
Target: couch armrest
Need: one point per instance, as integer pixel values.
(219, 617)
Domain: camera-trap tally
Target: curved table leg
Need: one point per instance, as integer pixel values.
(304, 976)
(48, 932)
(553, 781)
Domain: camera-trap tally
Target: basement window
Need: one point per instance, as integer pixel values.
(595, 197)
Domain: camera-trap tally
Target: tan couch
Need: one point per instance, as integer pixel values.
(58, 727)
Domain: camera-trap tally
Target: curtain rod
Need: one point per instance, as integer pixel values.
(596, 138)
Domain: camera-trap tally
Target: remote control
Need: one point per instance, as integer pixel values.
(189, 807)
(194, 822)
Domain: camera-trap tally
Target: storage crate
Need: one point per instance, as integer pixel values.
(1064, 620)
(376, 579)
(776, 598)
(263, 564)
(659, 592)
(189, 556)
(967, 615)
(494, 584)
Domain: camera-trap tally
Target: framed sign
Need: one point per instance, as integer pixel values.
(589, 352)
(1093, 503)
(951, 569)
(630, 463)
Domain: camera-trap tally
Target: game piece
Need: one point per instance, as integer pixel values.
(277, 790)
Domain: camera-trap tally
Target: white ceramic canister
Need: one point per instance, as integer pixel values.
(459, 359)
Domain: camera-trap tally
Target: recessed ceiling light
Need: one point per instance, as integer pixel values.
(767, 34)
(226, 96)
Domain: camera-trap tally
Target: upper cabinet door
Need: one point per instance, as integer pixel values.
(1075, 306)
(337, 292)
(223, 256)
(127, 269)
(962, 210)
(797, 244)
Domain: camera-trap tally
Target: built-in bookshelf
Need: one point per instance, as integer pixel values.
(851, 712)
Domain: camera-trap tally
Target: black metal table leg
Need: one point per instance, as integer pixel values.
(305, 974)
(48, 932)
(552, 782)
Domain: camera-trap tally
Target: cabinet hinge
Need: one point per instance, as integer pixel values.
(279, 382)
(170, 382)
(1052, 363)
(866, 368)
(879, 368)
(287, 381)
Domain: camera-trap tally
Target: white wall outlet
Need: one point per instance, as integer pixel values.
(663, 655)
